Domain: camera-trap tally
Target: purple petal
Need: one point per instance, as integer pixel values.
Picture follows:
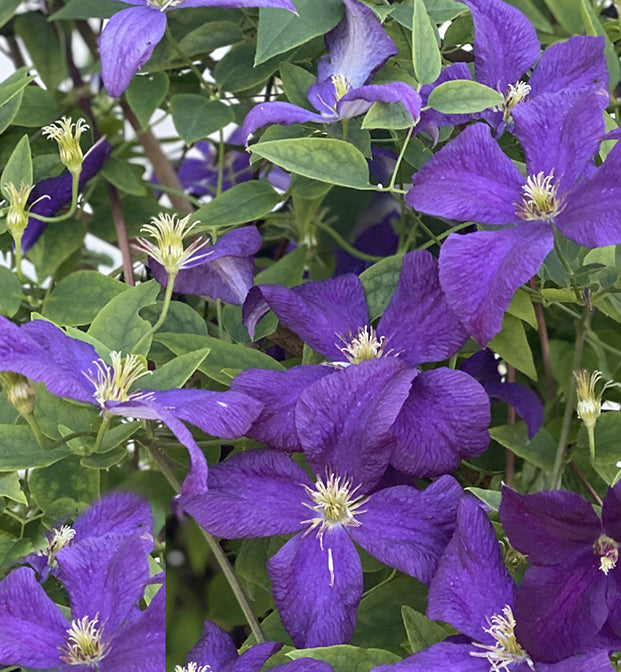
(242, 242)
(279, 392)
(611, 512)
(277, 113)
(524, 400)
(480, 272)
(549, 526)
(32, 628)
(357, 101)
(358, 45)
(344, 420)
(430, 119)
(560, 133)
(317, 586)
(284, 4)
(58, 191)
(126, 44)
(254, 494)
(578, 63)
(441, 657)
(321, 312)
(407, 529)
(418, 324)
(472, 583)
(505, 43)
(252, 659)
(443, 421)
(215, 648)
(590, 217)
(469, 178)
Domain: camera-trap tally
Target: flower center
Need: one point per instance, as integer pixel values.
(514, 94)
(341, 86)
(335, 503)
(61, 537)
(67, 135)
(85, 644)
(589, 404)
(540, 200)
(506, 650)
(363, 347)
(163, 5)
(168, 233)
(112, 383)
(608, 551)
(193, 667)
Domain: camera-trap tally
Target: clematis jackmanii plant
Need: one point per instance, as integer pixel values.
(129, 38)
(474, 592)
(356, 47)
(472, 179)
(569, 601)
(417, 327)
(72, 368)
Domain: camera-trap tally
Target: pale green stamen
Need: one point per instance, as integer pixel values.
(112, 383)
(363, 347)
(608, 551)
(85, 645)
(193, 667)
(515, 94)
(67, 135)
(61, 537)
(341, 86)
(540, 200)
(589, 404)
(163, 5)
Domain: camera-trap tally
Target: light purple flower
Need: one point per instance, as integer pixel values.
(570, 599)
(357, 47)
(472, 179)
(129, 38)
(216, 652)
(473, 591)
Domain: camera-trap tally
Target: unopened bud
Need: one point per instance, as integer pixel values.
(19, 392)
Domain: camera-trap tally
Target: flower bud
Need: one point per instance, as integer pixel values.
(19, 392)
(67, 135)
(589, 404)
(17, 218)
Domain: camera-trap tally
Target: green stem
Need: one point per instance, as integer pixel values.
(441, 236)
(390, 577)
(175, 45)
(215, 548)
(399, 159)
(581, 331)
(220, 165)
(345, 245)
(100, 434)
(219, 317)
(163, 314)
(75, 189)
(567, 267)
(591, 435)
(34, 426)
(18, 258)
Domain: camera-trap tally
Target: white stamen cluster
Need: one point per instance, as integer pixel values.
(608, 551)
(112, 383)
(84, 645)
(335, 502)
(540, 199)
(589, 404)
(163, 5)
(169, 232)
(506, 650)
(363, 347)
(61, 537)
(193, 667)
(67, 135)
(514, 94)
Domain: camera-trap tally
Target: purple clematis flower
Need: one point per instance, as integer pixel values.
(215, 651)
(356, 47)
(50, 195)
(570, 599)
(417, 327)
(107, 631)
(72, 368)
(317, 576)
(472, 179)
(129, 38)
(473, 591)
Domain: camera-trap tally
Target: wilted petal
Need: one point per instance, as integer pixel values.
(480, 272)
(470, 178)
(317, 586)
(126, 44)
(444, 420)
(408, 529)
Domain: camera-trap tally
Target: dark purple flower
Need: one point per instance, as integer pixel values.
(570, 599)
(472, 179)
(72, 368)
(316, 576)
(473, 591)
(216, 652)
(356, 47)
(50, 195)
(107, 631)
(417, 327)
(129, 38)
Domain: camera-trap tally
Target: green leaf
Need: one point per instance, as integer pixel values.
(14, 84)
(541, 450)
(607, 432)
(118, 434)
(387, 115)
(77, 298)
(10, 487)
(39, 108)
(10, 292)
(173, 374)
(119, 326)
(209, 36)
(145, 94)
(346, 658)
(43, 47)
(53, 413)
(522, 307)
(242, 203)
(512, 345)
(379, 283)
(463, 96)
(58, 242)
(124, 177)
(7, 10)
(281, 30)
(222, 356)
(534, 15)
(12, 549)
(18, 169)
(422, 631)
(296, 82)
(236, 72)
(87, 9)
(490, 497)
(104, 460)
(19, 449)
(63, 479)
(323, 159)
(195, 117)
(426, 57)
